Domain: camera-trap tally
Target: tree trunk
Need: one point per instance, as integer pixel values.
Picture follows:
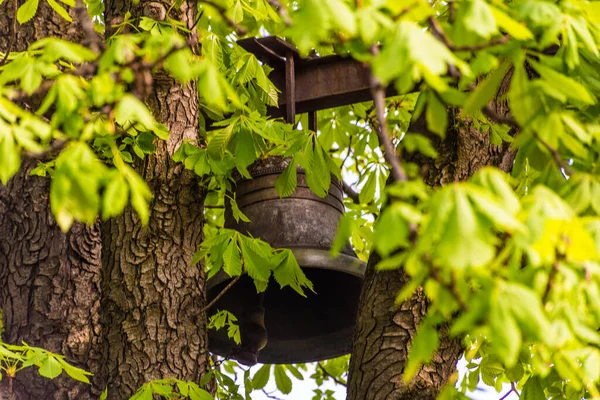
(49, 281)
(385, 331)
(152, 294)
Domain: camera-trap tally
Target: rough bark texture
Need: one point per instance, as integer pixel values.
(49, 281)
(385, 331)
(152, 295)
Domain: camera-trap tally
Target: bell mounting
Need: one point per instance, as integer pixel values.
(280, 326)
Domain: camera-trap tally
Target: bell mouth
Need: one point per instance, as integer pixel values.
(303, 329)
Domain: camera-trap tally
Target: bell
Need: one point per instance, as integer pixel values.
(279, 326)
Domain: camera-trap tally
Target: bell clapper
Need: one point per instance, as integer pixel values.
(253, 333)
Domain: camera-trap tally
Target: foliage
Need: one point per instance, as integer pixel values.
(510, 262)
(16, 358)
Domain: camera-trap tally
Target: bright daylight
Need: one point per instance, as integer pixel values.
(299, 199)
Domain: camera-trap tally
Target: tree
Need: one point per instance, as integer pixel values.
(474, 201)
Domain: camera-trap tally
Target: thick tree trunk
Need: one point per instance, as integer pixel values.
(152, 294)
(385, 331)
(49, 281)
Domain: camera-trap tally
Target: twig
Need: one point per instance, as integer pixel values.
(378, 93)
(221, 294)
(270, 396)
(349, 152)
(551, 278)
(240, 30)
(489, 112)
(351, 193)
(281, 10)
(559, 162)
(13, 39)
(513, 388)
(335, 379)
(438, 32)
(55, 147)
(92, 40)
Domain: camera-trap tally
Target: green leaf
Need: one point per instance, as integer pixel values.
(256, 264)
(513, 28)
(367, 193)
(50, 368)
(288, 272)
(130, 110)
(261, 377)
(391, 231)
(60, 10)
(140, 194)
(436, 115)
(505, 336)
(232, 264)
(283, 382)
(486, 90)
(477, 17)
(10, 161)
(74, 372)
(423, 347)
(115, 197)
(26, 11)
(197, 393)
(285, 184)
(463, 243)
(533, 390)
(531, 318)
(567, 86)
(220, 140)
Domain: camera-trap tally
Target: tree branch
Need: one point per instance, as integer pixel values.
(555, 155)
(55, 147)
(378, 93)
(92, 40)
(335, 379)
(351, 193)
(221, 294)
(438, 32)
(13, 38)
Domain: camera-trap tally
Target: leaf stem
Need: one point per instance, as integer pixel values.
(221, 294)
(378, 93)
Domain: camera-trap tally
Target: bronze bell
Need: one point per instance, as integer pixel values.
(299, 329)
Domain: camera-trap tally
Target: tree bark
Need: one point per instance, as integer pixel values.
(385, 331)
(152, 294)
(49, 281)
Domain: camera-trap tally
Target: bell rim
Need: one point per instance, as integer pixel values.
(309, 257)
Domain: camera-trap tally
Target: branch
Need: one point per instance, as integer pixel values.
(513, 388)
(438, 32)
(551, 278)
(239, 29)
(270, 396)
(559, 162)
(351, 193)
(221, 294)
(92, 40)
(489, 112)
(13, 39)
(55, 147)
(335, 379)
(378, 93)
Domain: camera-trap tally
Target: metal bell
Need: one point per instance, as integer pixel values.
(299, 329)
